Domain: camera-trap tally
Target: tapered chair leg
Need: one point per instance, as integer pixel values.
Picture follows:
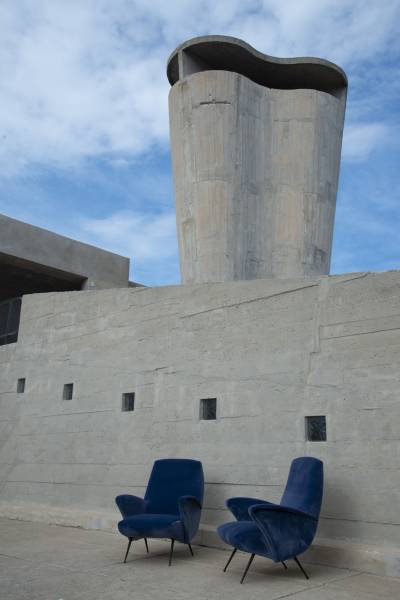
(247, 568)
(301, 567)
(127, 550)
(229, 559)
(190, 548)
(171, 552)
(284, 564)
(147, 547)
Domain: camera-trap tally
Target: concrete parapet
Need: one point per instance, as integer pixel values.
(272, 352)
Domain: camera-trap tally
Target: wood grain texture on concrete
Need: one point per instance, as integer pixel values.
(271, 351)
(256, 155)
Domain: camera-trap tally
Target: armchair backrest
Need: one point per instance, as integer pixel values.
(304, 486)
(170, 479)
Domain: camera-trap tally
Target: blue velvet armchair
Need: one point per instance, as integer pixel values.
(171, 507)
(278, 531)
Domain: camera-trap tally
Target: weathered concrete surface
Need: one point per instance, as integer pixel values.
(255, 172)
(270, 351)
(39, 562)
(226, 53)
(54, 255)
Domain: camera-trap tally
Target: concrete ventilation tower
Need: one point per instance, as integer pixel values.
(256, 144)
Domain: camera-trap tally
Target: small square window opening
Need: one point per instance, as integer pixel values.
(68, 391)
(208, 409)
(316, 429)
(128, 402)
(21, 385)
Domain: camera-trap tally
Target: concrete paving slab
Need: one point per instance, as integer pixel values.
(45, 562)
(378, 587)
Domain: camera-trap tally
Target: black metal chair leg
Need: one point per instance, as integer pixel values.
(229, 559)
(147, 547)
(301, 568)
(190, 548)
(170, 552)
(284, 564)
(127, 550)
(247, 568)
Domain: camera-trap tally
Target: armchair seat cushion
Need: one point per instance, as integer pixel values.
(152, 526)
(279, 531)
(245, 536)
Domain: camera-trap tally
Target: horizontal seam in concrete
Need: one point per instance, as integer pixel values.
(81, 463)
(259, 299)
(241, 416)
(189, 419)
(355, 334)
(84, 412)
(122, 464)
(212, 102)
(371, 408)
(60, 433)
(343, 281)
(36, 482)
(338, 323)
(266, 443)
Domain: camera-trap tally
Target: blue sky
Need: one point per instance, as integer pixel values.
(84, 119)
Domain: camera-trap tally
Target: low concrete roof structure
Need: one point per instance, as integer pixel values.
(36, 260)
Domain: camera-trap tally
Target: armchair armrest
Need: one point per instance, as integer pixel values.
(190, 512)
(286, 531)
(130, 505)
(239, 506)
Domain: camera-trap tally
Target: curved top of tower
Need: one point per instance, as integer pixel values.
(220, 52)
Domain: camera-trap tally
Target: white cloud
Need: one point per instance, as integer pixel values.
(87, 79)
(360, 139)
(147, 237)
(72, 87)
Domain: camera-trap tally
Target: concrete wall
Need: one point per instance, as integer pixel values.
(255, 173)
(100, 268)
(271, 351)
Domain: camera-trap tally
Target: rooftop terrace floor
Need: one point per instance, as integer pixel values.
(52, 563)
